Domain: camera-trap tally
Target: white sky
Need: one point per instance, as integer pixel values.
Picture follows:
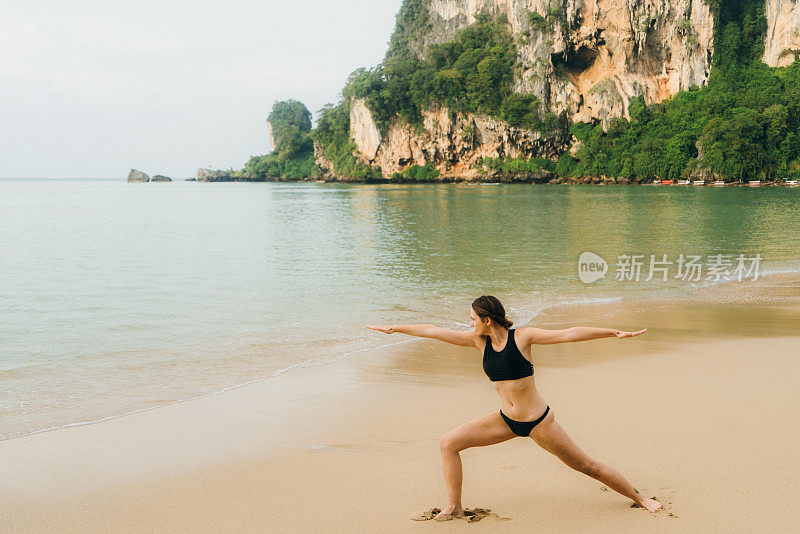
(91, 89)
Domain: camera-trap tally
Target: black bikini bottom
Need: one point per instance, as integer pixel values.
(523, 428)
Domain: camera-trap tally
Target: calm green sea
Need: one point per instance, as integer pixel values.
(117, 297)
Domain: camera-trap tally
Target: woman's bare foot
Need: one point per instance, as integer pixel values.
(449, 513)
(651, 505)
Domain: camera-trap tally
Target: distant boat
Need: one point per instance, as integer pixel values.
(656, 182)
(683, 182)
(667, 182)
(754, 183)
(699, 182)
(792, 182)
(719, 182)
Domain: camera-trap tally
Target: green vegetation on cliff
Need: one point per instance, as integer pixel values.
(513, 166)
(418, 172)
(292, 157)
(744, 124)
(411, 23)
(471, 73)
(291, 124)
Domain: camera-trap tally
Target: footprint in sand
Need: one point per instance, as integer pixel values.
(471, 515)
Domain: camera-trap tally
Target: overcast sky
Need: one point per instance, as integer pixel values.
(91, 89)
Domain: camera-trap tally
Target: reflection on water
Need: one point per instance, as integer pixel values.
(522, 238)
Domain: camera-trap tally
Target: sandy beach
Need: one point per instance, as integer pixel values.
(698, 414)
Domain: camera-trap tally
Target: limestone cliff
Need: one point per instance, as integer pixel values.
(270, 134)
(324, 165)
(593, 55)
(782, 41)
(451, 143)
(586, 58)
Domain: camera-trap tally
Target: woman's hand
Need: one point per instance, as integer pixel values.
(620, 334)
(384, 329)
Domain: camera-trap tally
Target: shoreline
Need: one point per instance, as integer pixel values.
(554, 315)
(531, 179)
(245, 458)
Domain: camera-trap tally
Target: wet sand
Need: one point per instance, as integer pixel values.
(698, 412)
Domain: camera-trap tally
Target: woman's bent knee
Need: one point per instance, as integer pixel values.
(449, 444)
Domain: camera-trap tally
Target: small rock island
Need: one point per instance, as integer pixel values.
(137, 176)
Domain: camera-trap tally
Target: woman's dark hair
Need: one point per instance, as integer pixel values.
(488, 306)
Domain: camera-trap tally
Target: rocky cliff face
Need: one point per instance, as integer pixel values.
(270, 135)
(453, 144)
(588, 58)
(593, 55)
(363, 130)
(324, 165)
(782, 41)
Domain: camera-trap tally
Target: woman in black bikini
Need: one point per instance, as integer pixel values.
(507, 363)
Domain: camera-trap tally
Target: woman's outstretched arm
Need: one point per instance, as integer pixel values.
(540, 336)
(585, 333)
(463, 339)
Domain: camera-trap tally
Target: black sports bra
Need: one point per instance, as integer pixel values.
(508, 364)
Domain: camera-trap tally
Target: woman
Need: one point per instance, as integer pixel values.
(507, 363)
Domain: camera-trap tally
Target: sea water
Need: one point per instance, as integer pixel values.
(117, 297)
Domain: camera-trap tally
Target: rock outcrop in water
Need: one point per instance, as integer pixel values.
(137, 176)
(209, 175)
(160, 178)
